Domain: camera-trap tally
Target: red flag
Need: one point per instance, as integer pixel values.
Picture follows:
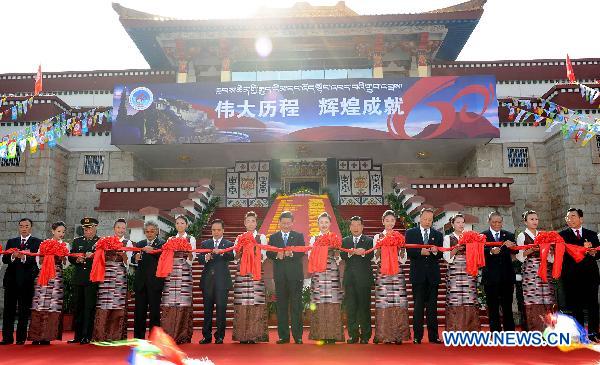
(570, 72)
(38, 81)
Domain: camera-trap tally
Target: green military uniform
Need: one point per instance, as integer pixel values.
(84, 291)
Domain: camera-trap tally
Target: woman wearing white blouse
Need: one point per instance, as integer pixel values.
(538, 296)
(327, 294)
(176, 315)
(391, 298)
(249, 295)
(462, 311)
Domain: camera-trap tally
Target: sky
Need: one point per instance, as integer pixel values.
(73, 35)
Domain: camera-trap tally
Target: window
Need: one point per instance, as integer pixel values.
(11, 162)
(518, 157)
(93, 165)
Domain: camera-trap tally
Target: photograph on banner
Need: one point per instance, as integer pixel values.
(306, 110)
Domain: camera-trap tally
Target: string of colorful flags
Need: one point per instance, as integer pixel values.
(572, 123)
(18, 110)
(50, 132)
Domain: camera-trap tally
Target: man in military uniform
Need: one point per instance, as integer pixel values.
(84, 291)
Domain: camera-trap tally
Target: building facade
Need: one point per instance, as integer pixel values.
(525, 168)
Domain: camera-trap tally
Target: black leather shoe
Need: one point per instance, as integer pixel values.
(85, 341)
(2, 343)
(437, 341)
(73, 341)
(398, 342)
(298, 342)
(364, 341)
(219, 341)
(205, 341)
(44, 343)
(416, 342)
(352, 340)
(20, 342)
(281, 342)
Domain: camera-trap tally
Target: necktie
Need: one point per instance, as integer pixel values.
(355, 241)
(497, 236)
(426, 236)
(216, 243)
(23, 241)
(285, 239)
(578, 235)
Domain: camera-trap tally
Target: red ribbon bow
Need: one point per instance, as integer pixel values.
(250, 263)
(317, 262)
(474, 243)
(388, 246)
(49, 249)
(165, 261)
(545, 240)
(110, 243)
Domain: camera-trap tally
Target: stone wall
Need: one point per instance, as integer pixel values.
(83, 195)
(564, 177)
(39, 193)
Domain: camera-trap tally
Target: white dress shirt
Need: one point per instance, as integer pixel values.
(24, 258)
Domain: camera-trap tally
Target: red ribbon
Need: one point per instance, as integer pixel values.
(545, 240)
(388, 246)
(250, 263)
(165, 261)
(110, 243)
(49, 249)
(474, 243)
(317, 262)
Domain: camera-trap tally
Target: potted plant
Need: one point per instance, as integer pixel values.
(68, 298)
(271, 308)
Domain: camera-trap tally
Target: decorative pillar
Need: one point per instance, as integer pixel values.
(378, 57)
(224, 52)
(182, 63)
(378, 65)
(423, 65)
(424, 55)
(182, 71)
(225, 69)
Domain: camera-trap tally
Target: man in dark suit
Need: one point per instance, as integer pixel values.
(425, 275)
(580, 280)
(289, 275)
(358, 280)
(215, 281)
(148, 288)
(84, 291)
(498, 274)
(18, 283)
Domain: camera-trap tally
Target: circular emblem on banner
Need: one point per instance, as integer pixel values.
(141, 98)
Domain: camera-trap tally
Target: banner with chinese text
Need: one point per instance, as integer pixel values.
(306, 110)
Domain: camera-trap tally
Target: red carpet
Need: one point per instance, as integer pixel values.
(309, 353)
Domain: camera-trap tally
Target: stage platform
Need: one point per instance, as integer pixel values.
(60, 353)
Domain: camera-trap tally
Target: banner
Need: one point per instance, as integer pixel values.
(306, 209)
(306, 110)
